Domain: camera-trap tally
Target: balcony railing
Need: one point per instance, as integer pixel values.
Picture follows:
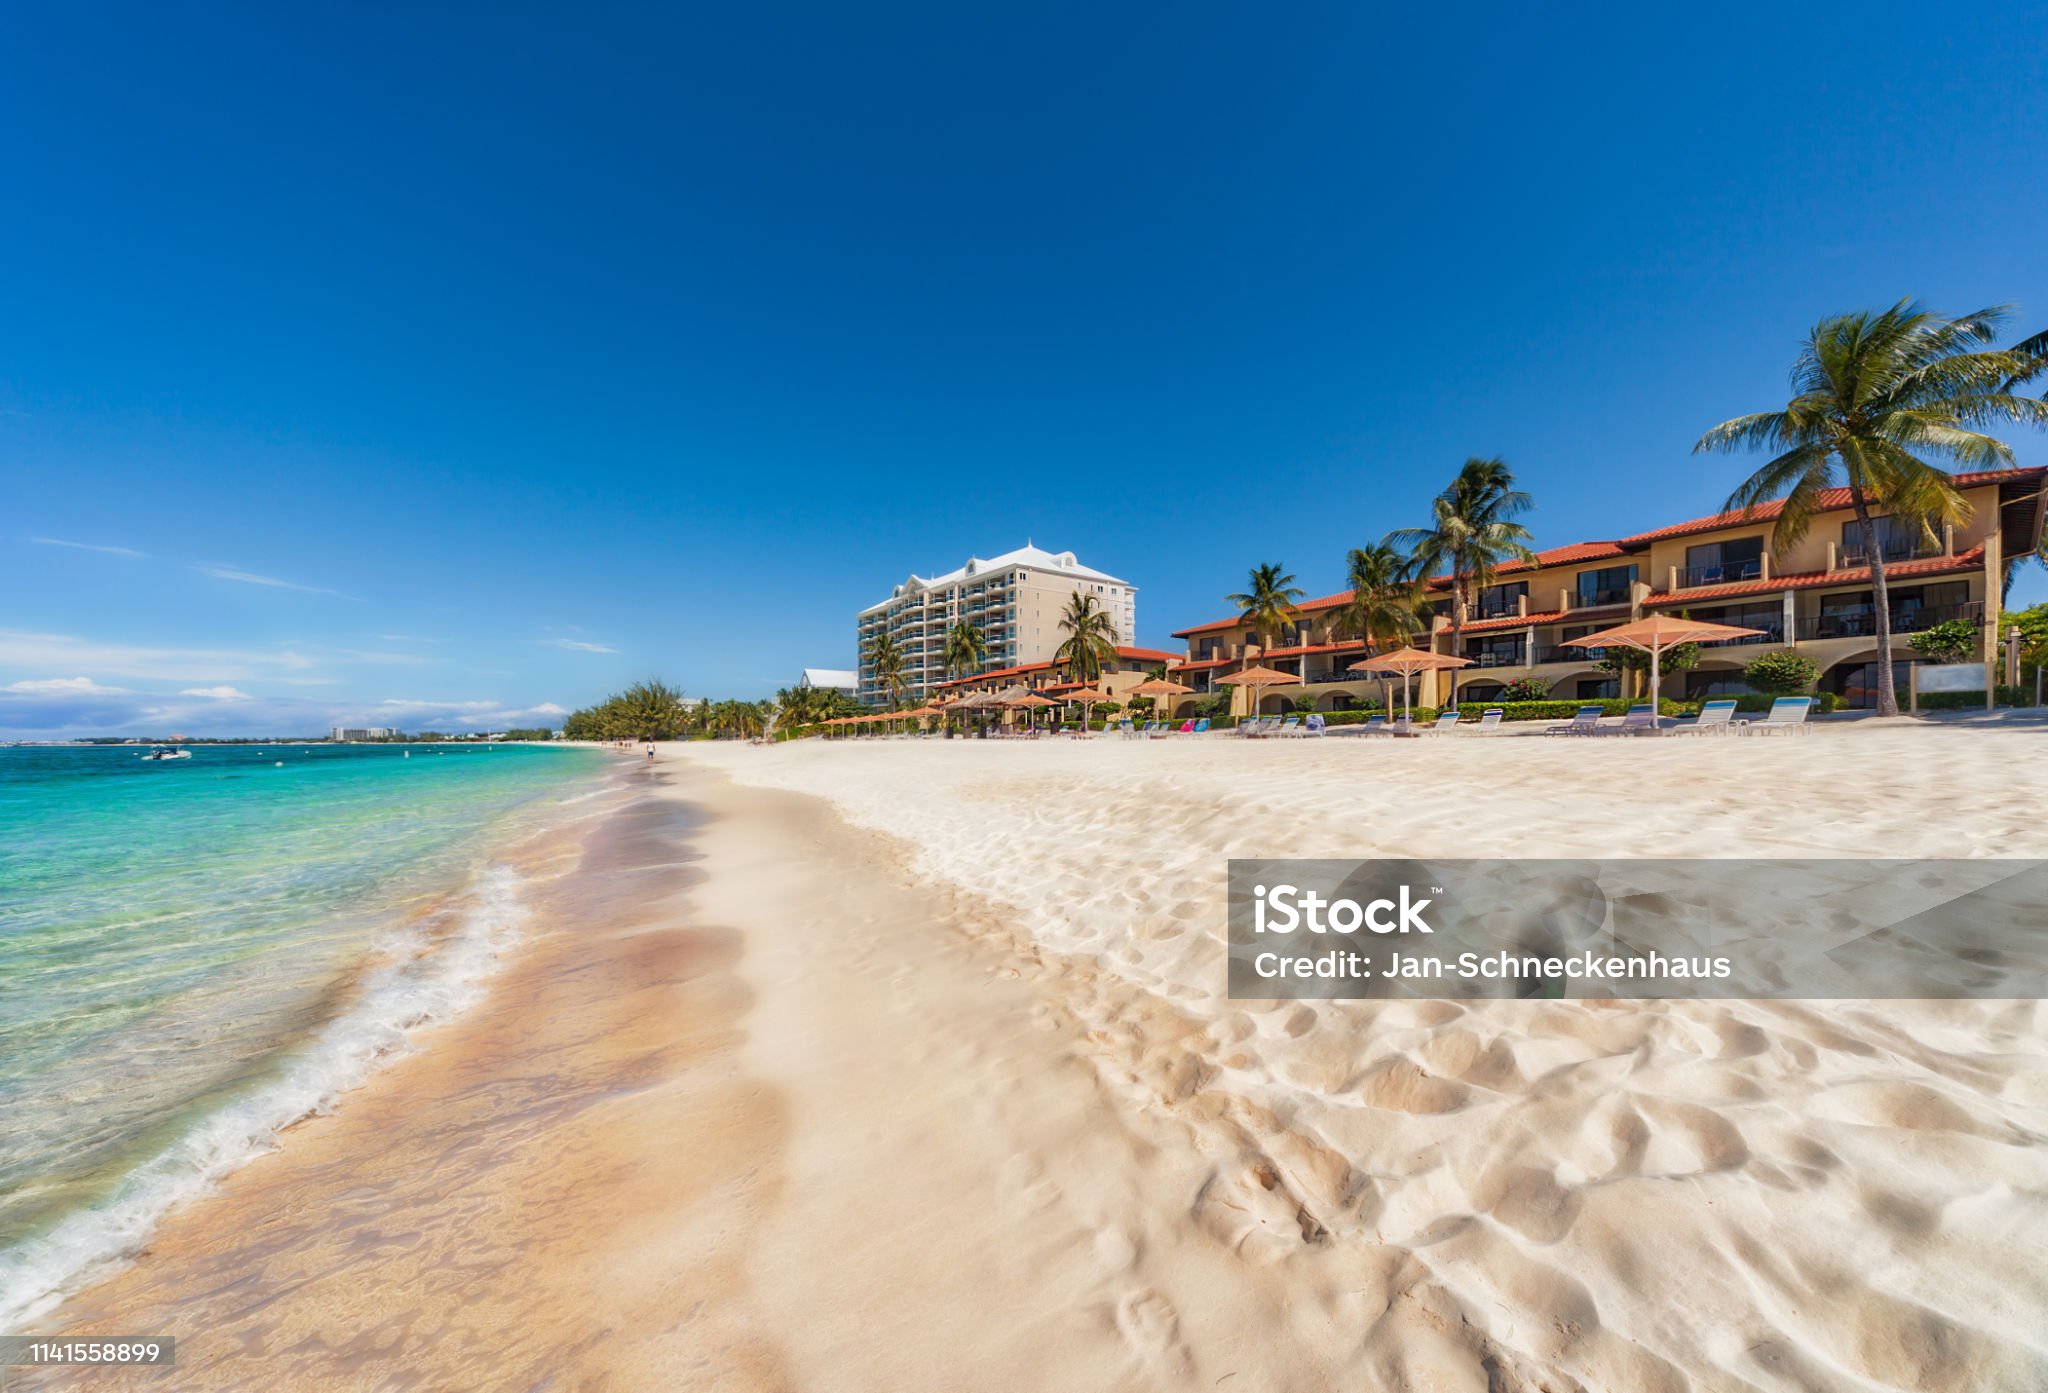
(1612, 595)
(1771, 632)
(1905, 620)
(1725, 574)
(1910, 549)
(1497, 657)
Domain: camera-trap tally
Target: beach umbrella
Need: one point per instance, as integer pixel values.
(1089, 698)
(1408, 662)
(1655, 634)
(1258, 677)
(1030, 701)
(1159, 687)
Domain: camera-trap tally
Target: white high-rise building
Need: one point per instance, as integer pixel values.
(1015, 599)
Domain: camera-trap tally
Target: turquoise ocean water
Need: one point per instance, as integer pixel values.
(195, 953)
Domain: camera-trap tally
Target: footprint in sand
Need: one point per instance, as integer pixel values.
(1151, 1327)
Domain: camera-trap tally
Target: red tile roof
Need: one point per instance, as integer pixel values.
(1828, 501)
(1969, 560)
(1202, 666)
(1134, 655)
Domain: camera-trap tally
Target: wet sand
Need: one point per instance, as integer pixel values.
(789, 1125)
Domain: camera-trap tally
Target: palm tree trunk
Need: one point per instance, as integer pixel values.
(1457, 639)
(1880, 598)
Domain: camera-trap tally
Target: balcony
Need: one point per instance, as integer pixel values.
(1726, 574)
(1906, 620)
(1609, 595)
(1895, 549)
(1772, 631)
(1498, 657)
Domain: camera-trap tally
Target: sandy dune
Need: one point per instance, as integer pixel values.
(1627, 1196)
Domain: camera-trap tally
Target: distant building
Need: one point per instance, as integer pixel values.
(1015, 599)
(362, 733)
(829, 679)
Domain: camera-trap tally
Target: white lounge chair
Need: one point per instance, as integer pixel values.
(1314, 725)
(1446, 722)
(1786, 716)
(1490, 720)
(1715, 718)
(1585, 723)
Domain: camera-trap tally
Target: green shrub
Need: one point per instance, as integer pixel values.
(1956, 641)
(1783, 673)
(1525, 689)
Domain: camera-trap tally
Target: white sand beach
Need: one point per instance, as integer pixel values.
(1623, 1196)
(907, 1066)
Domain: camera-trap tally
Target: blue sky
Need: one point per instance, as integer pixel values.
(448, 368)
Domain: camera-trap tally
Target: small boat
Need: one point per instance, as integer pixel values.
(167, 752)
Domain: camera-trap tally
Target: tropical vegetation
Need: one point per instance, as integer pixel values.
(1090, 642)
(1267, 605)
(1386, 604)
(966, 649)
(1878, 399)
(1784, 673)
(890, 666)
(1471, 535)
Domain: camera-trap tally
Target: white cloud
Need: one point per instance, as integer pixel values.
(235, 573)
(577, 645)
(216, 693)
(21, 648)
(77, 686)
(88, 546)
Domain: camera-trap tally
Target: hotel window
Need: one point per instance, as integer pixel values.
(1594, 688)
(1497, 601)
(1607, 586)
(1901, 538)
(1717, 563)
(1504, 650)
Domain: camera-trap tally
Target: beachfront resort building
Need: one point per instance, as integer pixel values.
(1814, 598)
(361, 733)
(1015, 599)
(1129, 667)
(829, 679)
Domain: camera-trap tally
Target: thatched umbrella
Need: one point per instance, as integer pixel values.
(1653, 636)
(1030, 701)
(1257, 677)
(1408, 662)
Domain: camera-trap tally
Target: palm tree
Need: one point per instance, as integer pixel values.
(886, 662)
(966, 650)
(1470, 537)
(1386, 603)
(1090, 641)
(1875, 394)
(1267, 606)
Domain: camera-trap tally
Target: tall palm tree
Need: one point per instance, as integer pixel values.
(1386, 603)
(1470, 537)
(1267, 605)
(887, 662)
(966, 650)
(1875, 394)
(1090, 641)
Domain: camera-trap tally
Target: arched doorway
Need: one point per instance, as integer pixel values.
(1337, 701)
(1854, 680)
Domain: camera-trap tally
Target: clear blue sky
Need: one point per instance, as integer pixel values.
(533, 349)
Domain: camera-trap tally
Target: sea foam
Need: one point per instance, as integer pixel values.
(423, 976)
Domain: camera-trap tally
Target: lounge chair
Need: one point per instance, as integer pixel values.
(1715, 718)
(1585, 723)
(1186, 727)
(1201, 727)
(1446, 722)
(1491, 720)
(1314, 725)
(1126, 730)
(1786, 716)
(1640, 720)
(1290, 726)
